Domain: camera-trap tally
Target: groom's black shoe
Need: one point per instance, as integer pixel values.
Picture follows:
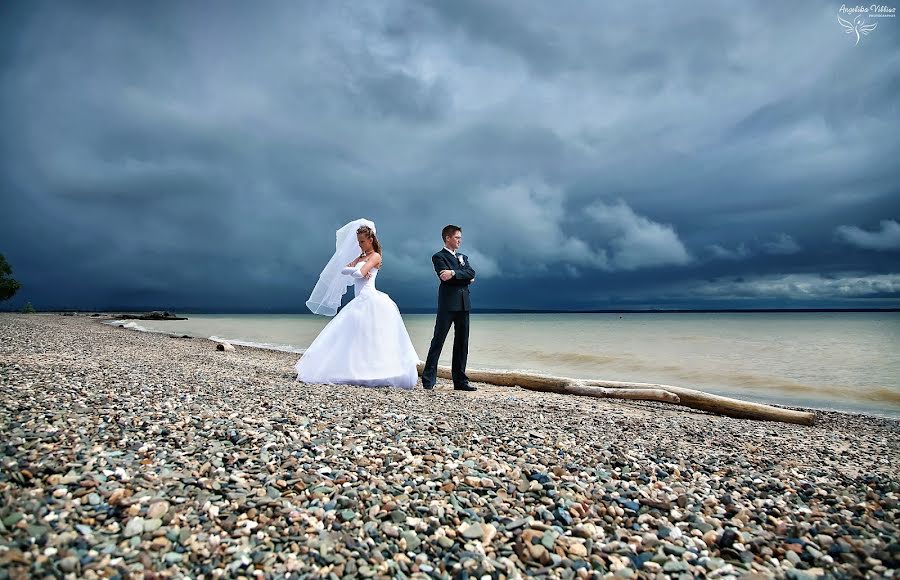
(465, 387)
(427, 387)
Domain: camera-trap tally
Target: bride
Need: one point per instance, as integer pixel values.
(366, 343)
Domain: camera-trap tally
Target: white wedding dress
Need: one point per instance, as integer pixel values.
(365, 344)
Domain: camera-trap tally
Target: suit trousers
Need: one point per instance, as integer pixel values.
(460, 321)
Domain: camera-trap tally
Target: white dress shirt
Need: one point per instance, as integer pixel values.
(454, 254)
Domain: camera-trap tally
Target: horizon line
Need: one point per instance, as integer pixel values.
(474, 310)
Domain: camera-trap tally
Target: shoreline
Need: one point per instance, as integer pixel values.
(426, 310)
(134, 452)
(105, 319)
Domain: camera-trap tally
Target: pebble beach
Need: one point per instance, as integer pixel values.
(129, 454)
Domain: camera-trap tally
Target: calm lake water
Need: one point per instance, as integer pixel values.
(847, 360)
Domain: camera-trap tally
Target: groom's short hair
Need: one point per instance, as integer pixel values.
(449, 231)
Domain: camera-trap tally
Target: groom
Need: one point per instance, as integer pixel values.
(456, 274)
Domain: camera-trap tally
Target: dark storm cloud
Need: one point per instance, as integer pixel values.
(202, 155)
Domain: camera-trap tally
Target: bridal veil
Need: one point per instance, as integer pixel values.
(325, 298)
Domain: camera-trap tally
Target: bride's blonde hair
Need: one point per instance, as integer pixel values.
(370, 233)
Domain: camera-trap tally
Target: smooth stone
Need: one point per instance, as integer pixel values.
(727, 539)
(638, 560)
(652, 567)
(563, 515)
(94, 498)
(516, 524)
(134, 527)
(674, 566)
(714, 564)
(489, 532)
(68, 564)
(36, 531)
(538, 552)
(577, 549)
(629, 505)
(158, 509)
(412, 541)
(152, 525)
(794, 574)
(473, 532)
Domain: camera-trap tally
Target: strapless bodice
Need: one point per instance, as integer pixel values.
(361, 284)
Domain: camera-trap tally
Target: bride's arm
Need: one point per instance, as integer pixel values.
(372, 261)
(350, 268)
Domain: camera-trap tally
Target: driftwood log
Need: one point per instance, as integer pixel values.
(637, 391)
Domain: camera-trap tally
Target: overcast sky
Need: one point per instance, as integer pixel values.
(201, 155)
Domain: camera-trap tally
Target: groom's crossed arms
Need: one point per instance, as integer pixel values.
(463, 274)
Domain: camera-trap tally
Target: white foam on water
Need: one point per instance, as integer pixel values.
(263, 345)
(132, 325)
